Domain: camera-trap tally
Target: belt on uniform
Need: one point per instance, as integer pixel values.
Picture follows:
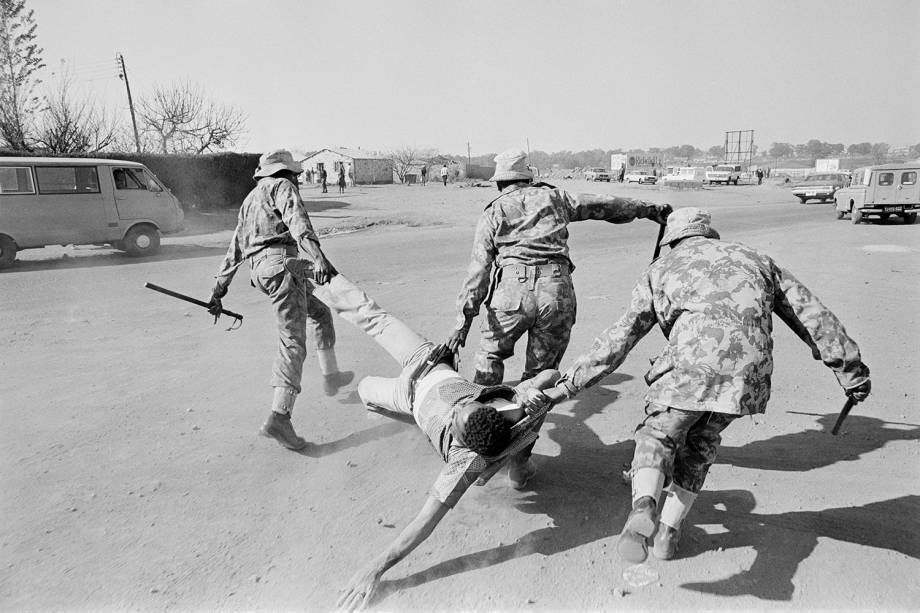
(528, 271)
(272, 250)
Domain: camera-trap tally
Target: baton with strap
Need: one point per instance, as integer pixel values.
(195, 301)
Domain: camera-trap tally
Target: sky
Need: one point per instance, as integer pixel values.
(492, 75)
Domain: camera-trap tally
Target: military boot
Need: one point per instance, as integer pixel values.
(664, 545)
(278, 426)
(640, 526)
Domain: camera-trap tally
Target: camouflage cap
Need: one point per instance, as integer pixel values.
(273, 161)
(688, 221)
(511, 165)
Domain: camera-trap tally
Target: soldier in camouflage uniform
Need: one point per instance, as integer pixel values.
(520, 269)
(714, 301)
(275, 235)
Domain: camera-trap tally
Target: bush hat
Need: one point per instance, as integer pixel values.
(511, 165)
(688, 221)
(273, 161)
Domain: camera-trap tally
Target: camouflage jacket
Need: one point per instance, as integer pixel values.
(714, 302)
(528, 225)
(271, 214)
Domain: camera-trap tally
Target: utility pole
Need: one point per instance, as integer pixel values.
(469, 157)
(123, 74)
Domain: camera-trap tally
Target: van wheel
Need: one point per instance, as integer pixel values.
(7, 251)
(840, 214)
(142, 240)
(804, 200)
(856, 215)
(910, 218)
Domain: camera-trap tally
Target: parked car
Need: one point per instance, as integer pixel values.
(724, 173)
(82, 201)
(883, 191)
(640, 176)
(820, 186)
(597, 174)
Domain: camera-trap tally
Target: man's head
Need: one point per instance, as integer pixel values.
(686, 222)
(275, 163)
(511, 167)
(480, 428)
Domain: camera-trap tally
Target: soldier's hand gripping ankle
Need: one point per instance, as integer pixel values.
(860, 392)
(457, 339)
(658, 212)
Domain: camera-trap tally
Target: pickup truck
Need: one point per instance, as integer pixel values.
(883, 191)
(724, 173)
(597, 174)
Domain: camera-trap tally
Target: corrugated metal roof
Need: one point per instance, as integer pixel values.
(355, 154)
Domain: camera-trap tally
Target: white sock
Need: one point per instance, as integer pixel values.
(327, 363)
(676, 506)
(283, 400)
(647, 482)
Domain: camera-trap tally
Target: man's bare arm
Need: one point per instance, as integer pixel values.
(362, 586)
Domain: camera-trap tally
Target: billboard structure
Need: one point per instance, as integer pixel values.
(739, 147)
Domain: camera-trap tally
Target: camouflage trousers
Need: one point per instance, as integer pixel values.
(538, 300)
(681, 444)
(299, 314)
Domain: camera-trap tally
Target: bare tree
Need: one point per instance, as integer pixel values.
(20, 58)
(181, 119)
(880, 152)
(403, 159)
(71, 124)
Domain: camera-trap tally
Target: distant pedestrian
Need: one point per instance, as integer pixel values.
(322, 179)
(424, 175)
(351, 175)
(622, 174)
(341, 178)
(759, 176)
(444, 173)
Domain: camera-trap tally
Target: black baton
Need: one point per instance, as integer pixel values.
(851, 402)
(200, 303)
(658, 242)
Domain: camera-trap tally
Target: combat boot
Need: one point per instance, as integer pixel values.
(640, 526)
(278, 426)
(519, 473)
(664, 546)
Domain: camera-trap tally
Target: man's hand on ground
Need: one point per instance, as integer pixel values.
(861, 391)
(457, 339)
(360, 592)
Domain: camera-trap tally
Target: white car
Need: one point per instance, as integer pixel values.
(597, 174)
(640, 176)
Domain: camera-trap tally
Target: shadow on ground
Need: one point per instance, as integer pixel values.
(89, 257)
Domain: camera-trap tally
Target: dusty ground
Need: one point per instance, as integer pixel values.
(133, 478)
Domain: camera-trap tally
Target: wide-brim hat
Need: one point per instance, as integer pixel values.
(511, 165)
(273, 161)
(688, 221)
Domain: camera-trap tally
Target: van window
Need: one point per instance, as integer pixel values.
(67, 179)
(16, 180)
(909, 178)
(885, 178)
(128, 178)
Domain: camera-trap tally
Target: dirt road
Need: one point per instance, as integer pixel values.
(133, 478)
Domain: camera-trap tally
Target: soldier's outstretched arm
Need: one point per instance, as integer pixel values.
(815, 324)
(364, 583)
(294, 214)
(612, 346)
(614, 209)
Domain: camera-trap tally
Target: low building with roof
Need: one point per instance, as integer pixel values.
(361, 167)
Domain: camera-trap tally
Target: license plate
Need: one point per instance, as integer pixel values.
(892, 209)
(811, 193)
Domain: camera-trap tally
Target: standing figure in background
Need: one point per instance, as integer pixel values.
(341, 178)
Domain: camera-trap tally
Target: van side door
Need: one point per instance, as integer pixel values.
(70, 208)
